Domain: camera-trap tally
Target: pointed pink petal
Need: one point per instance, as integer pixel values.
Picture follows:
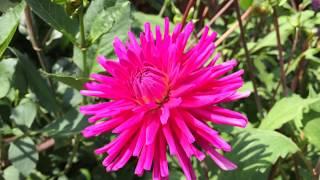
(222, 162)
(165, 113)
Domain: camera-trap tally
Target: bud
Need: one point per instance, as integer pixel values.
(72, 7)
(316, 5)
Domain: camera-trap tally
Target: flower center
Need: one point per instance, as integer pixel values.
(150, 84)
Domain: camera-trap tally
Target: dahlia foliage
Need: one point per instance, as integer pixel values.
(161, 94)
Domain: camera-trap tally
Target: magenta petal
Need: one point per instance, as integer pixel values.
(165, 113)
(222, 162)
(151, 131)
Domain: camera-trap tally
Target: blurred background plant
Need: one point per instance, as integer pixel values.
(48, 48)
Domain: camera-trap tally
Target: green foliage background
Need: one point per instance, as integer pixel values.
(43, 65)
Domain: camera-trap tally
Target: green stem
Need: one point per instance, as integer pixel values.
(274, 169)
(1, 146)
(34, 39)
(76, 144)
(308, 164)
(296, 167)
(83, 46)
(196, 10)
(163, 8)
(186, 12)
(280, 52)
(249, 61)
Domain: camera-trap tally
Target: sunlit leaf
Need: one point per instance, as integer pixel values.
(245, 4)
(312, 132)
(5, 86)
(25, 113)
(255, 151)
(23, 155)
(7, 70)
(11, 173)
(285, 110)
(118, 16)
(9, 23)
(55, 15)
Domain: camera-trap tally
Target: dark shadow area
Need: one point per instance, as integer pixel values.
(249, 157)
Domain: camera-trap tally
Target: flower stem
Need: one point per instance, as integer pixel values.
(274, 170)
(248, 59)
(76, 144)
(280, 52)
(1, 151)
(36, 45)
(234, 26)
(293, 4)
(293, 49)
(83, 46)
(308, 164)
(219, 13)
(186, 12)
(317, 169)
(196, 9)
(163, 8)
(295, 166)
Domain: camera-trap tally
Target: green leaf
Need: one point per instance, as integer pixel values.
(309, 54)
(23, 155)
(315, 106)
(285, 110)
(247, 86)
(121, 15)
(101, 25)
(10, 21)
(7, 4)
(71, 123)
(270, 40)
(7, 70)
(95, 8)
(75, 82)
(154, 20)
(312, 132)
(175, 175)
(60, 2)
(282, 2)
(11, 173)
(255, 150)
(5, 86)
(118, 16)
(25, 113)
(37, 84)
(245, 4)
(277, 2)
(7, 67)
(54, 15)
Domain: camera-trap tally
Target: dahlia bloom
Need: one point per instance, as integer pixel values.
(163, 95)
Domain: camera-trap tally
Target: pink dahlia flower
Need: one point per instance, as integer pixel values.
(162, 95)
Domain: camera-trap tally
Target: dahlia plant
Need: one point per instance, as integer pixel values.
(161, 95)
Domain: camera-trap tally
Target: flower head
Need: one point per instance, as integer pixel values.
(163, 95)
